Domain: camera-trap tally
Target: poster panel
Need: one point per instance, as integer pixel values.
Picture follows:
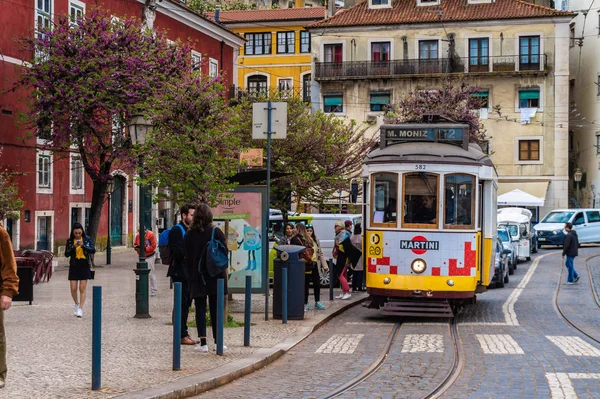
(241, 216)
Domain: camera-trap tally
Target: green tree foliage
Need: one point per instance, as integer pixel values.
(453, 101)
(319, 156)
(10, 202)
(204, 6)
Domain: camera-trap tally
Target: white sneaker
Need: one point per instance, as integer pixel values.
(79, 312)
(347, 295)
(339, 296)
(76, 310)
(201, 348)
(153, 293)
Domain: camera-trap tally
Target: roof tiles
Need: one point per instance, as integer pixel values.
(274, 15)
(407, 12)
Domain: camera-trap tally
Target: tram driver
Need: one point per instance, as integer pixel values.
(427, 212)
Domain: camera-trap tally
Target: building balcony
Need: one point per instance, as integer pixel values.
(505, 65)
(263, 93)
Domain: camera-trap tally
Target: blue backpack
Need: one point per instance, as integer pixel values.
(166, 256)
(215, 257)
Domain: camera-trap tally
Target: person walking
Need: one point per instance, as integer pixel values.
(570, 250)
(79, 248)
(178, 268)
(311, 271)
(358, 276)
(150, 253)
(341, 259)
(202, 284)
(9, 287)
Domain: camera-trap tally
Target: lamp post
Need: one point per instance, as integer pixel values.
(110, 186)
(139, 127)
(577, 175)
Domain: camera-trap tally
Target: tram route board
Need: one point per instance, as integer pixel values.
(411, 132)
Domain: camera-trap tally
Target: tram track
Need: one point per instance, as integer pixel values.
(449, 380)
(560, 310)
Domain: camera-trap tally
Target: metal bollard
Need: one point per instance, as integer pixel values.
(331, 279)
(97, 339)
(220, 311)
(284, 294)
(247, 309)
(177, 327)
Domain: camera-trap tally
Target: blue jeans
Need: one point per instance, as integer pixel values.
(572, 273)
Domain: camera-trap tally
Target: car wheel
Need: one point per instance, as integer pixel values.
(323, 278)
(534, 247)
(506, 278)
(511, 269)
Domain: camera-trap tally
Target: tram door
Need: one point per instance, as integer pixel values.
(481, 228)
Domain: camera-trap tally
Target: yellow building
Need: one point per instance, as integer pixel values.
(277, 53)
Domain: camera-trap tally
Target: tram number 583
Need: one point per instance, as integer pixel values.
(420, 167)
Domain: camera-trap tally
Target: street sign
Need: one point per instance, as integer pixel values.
(252, 157)
(260, 120)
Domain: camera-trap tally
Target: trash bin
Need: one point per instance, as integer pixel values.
(295, 271)
(25, 268)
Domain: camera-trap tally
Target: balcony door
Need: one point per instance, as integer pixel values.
(380, 59)
(479, 55)
(529, 53)
(334, 55)
(429, 61)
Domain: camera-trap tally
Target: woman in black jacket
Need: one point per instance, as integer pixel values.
(79, 248)
(202, 285)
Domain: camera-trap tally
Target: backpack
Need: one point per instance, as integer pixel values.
(215, 257)
(166, 256)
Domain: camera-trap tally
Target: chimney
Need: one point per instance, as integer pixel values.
(330, 8)
(299, 4)
(217, 12)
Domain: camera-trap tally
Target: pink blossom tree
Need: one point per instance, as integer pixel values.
(10, 202)
(87, 78)
(453, 101)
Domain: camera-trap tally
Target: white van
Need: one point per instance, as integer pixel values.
(586, 222)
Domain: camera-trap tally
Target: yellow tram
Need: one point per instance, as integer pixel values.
(430, 218)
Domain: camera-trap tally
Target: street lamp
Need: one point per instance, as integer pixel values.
(110, 186)
(577, 175)
(139, 127)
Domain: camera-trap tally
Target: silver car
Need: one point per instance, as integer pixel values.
(510, 245)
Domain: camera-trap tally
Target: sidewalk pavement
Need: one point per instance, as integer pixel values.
(49, 349)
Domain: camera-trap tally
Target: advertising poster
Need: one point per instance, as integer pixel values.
(243, 214)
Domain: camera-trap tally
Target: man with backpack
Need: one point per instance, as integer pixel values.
(570, 250)
(178, 267)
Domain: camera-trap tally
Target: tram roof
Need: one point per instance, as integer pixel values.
(429, 152)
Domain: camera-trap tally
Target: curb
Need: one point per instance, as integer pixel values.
(211, 379)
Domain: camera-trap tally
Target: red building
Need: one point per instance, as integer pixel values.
(55, 188)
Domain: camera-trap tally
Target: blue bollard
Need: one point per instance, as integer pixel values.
(331, 279)
(284, 294)
(247, 309)
(97, 339)
(177, 327)
(220, 311)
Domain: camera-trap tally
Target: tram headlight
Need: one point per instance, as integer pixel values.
(450, 282)
(387, 280)
(418, 266)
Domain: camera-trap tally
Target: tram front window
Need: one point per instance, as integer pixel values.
(459, 200)
(385, 195)
(420, 199)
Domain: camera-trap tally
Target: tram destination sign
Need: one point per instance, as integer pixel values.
(446, 132)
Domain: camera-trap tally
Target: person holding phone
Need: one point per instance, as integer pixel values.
(79, 248)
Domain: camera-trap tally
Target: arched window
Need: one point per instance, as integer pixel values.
(458, 201)
(257, 84)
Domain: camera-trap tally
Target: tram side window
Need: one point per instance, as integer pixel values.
(459, 200)
(420, 199)
(385, 198)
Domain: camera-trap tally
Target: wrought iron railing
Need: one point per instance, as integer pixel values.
(263, 94)
(382, 69)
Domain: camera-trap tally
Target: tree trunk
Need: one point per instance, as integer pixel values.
(98, 194)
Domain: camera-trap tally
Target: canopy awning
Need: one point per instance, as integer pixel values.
(522, 194)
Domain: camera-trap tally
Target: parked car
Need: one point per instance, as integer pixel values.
(512, 246)
(586, 222)
(518, 223)
(501, 266)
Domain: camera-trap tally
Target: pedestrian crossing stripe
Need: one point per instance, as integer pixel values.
(499, 344)
(561, 386)
(341, 343)
(574, 346)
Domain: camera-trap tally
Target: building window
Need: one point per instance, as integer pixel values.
(306, 82)
(428, 2)
(379, 2)
(76, 11)
(428, 49)
(44, 171)
(76, 173)
(479, 55)
(213, 68)
(333, 103)
(286, 87)
(333, 52)
(304, 42)
(380, 51)
(380, 101)
(529, 53)
(482, 98)
(529, 150)
(257, 84)
(43, 13)
(285, 42)
(196, 61)
(529, 98)
(257, 43)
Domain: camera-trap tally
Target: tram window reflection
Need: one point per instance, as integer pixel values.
(385, 192)
(459, 200)
(420, 199)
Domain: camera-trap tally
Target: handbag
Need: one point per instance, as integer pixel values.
(307, 254)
